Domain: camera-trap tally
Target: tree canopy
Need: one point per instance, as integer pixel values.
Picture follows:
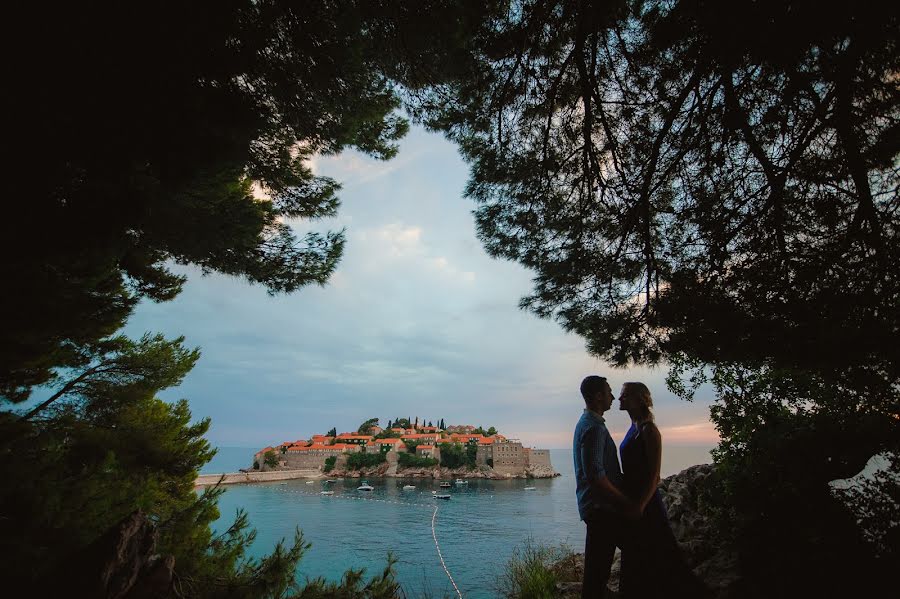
(691, 177)
(366, 426)
(713, 186)
(182, 136)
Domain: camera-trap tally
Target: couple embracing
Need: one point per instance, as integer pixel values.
(622, 506)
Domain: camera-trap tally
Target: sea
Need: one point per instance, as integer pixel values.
(466, 540)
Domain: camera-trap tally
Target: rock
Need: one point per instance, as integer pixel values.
(540, 472)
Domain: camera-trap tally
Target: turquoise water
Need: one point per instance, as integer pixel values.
(477, 529)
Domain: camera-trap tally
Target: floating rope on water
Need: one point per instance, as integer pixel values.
(438, 547)
(406, 504)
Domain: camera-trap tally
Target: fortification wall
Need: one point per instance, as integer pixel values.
(303, 460)
(539, 457)
(254, 477)
(509, 458)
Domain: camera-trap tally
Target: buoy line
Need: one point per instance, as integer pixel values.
(438, 547)
(403, 503)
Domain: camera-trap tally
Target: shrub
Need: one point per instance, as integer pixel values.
(270, 459)
(411, 460)
(455, 455)
(329, 463)
(533, 571)
(355, 461)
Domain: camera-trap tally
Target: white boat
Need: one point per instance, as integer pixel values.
(309, 482)
(409, 487)
(460, 481)
(444, 485)
(327, 492)
(365, 486)
(530, 488)
(329, 481)
(437, 495)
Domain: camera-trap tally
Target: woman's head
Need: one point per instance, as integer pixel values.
(637, 401)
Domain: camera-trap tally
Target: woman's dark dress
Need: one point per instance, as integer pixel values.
(652, 564)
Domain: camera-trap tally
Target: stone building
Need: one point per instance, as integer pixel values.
(428, 451)
(537, 458)
(353, 438)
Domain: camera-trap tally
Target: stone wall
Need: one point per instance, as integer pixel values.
(484, 453)
(539, 458)
(509, 458)
(303, 460)
(255, 477)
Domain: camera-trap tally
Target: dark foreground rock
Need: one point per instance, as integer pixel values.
(707, 555)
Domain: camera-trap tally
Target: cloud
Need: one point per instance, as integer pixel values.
(353, 168)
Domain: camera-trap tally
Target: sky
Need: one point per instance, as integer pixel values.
(417, 321)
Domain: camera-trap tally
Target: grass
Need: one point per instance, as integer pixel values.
(533, 571)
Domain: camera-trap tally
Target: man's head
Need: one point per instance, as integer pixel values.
(597, 393)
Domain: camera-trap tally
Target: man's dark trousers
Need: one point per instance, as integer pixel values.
(605, 531)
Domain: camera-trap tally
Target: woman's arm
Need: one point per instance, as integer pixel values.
(653, 446)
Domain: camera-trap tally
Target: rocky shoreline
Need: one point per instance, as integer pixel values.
(380, 471)
(389, 471)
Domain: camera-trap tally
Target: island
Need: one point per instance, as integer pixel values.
(403, 449)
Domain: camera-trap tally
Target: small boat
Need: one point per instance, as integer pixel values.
(309, 482)
(409, 487)
(327, 492)
(444, 485)
(437, 495)
(460, 481)
(329, 481)
(530, 488)
(365, 486)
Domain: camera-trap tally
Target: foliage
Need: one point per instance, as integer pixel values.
(388, 434)
(411, 446)
(780, 448)
(351, 586)
(366, 426)
(486, 432)
(331, 433)
(270, 459)
(120, 364)
(191, 147)
(716, 187)
(356, 461)
(81, 471)
(678, 181)
(455, 455)
(411, 460)
(533, 571)
(329, 463)
(402, 423)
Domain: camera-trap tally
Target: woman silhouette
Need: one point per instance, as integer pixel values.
(652, 564)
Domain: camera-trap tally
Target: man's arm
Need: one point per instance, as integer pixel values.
(592, 449)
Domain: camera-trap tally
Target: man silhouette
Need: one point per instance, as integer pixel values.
(601, 505)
